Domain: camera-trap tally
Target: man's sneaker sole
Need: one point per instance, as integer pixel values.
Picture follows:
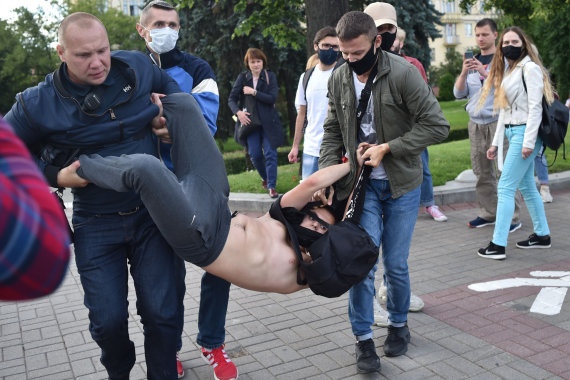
(535, 246)
(514, 227)
(481, 225)
(494, 257)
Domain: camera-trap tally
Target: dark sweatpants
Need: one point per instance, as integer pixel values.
(189, 206)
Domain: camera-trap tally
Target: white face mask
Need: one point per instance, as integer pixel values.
(163, 39)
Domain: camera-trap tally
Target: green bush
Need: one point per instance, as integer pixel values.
(446, 87)
(238, 162)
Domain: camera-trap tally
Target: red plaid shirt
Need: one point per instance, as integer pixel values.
(34, 239)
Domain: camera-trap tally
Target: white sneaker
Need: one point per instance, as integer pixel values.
(416, 303)
(545, 194)
(380, 315)
(436, 213)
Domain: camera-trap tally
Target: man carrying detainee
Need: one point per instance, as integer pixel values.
(482, 125)
(402, 117)
(98, 102)
(159, 25)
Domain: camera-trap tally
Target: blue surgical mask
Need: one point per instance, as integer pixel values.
(163, 39)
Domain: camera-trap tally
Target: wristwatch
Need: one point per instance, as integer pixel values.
(254, 92)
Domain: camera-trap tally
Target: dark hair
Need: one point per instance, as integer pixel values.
(354, 24)
(254, 53)
(327, 31)
(487, 21)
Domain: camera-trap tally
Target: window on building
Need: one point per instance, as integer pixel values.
(450, 7)
(450, 30)
(432, 54)
(468, 30)
(482, 7)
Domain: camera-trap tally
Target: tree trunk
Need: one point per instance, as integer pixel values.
(321, 13)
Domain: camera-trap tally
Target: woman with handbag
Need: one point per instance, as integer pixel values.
(252, 100)
(520, 84)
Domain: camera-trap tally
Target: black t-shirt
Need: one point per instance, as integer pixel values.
(484, 59)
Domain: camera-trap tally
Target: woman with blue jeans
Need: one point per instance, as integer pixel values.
(520, 115)
(262, 144)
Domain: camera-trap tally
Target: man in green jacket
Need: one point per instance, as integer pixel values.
(399, 120)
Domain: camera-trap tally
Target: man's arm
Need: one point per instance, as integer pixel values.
(205, 90)
(430, 126)
(302, 194)
(299, 122)
(34, 243)
(332, 144)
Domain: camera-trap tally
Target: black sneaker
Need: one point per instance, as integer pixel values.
(535, 241)
(366, 358)
(396, 343)
(479, 222)
(493, 251)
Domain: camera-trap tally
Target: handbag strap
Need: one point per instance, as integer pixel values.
(365, 97)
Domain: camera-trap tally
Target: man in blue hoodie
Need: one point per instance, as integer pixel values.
(159, 25)
(100, 102)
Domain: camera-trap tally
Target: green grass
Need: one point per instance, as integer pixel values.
(454, 112)
(446, 161)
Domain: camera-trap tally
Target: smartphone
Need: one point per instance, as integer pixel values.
(469, 55)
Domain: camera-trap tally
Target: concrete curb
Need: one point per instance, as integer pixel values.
(461, 190)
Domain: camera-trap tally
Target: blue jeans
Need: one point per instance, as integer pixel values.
(518, 173)
(258, 146)
(390, 222)
(105, 247)
(541, 167)
(214, 296)
(310, 165)
(426, 197)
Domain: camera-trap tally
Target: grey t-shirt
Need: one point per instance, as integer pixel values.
(367, 132)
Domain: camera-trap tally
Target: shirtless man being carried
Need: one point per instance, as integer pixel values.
(190, 208)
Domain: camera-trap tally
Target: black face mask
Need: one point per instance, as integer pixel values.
(328, 57)
(365, 63)
(305, 236)
(387, 40)
(512, 52)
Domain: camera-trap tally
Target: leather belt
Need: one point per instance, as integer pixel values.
(513, 125)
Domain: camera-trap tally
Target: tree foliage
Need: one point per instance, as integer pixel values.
(548, 23)
(452, 65)
(25, 54)
(208, 32)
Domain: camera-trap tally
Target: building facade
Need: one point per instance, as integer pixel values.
(128, 7)
(458, 29)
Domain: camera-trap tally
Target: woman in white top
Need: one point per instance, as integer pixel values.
(519, 119)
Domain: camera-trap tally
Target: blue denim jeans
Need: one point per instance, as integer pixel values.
(390, 222)
(214, 296)
(518, 173)
(541, 167)
(106, 247)
(426, 197)
(310, 165)
(258, 146)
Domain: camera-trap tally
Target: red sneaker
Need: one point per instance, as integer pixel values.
(264, 184)
(224, 368)
(179, 368)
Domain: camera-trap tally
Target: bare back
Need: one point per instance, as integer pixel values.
(258, 256)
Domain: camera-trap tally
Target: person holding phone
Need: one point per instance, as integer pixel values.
(482, 124)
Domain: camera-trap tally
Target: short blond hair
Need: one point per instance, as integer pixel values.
(401, 35)
(82, 19)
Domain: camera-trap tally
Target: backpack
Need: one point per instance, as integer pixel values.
(554, 124)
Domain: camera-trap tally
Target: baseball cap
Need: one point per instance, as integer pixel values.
(382, 13)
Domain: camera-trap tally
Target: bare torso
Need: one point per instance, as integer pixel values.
(258, 256)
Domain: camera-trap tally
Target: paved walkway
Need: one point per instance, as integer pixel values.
(461, 333)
